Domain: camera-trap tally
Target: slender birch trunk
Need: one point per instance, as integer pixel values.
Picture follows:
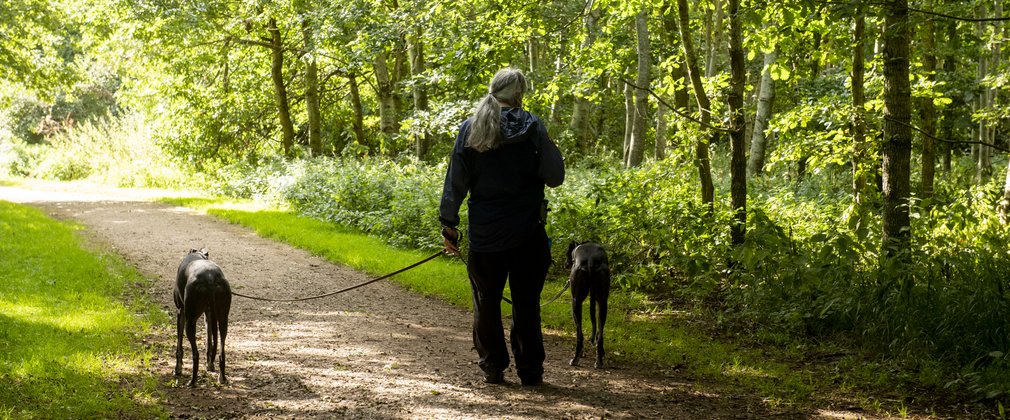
(384, 91)
(766, 98)
(641, 110)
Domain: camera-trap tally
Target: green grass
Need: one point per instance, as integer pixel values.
(68, 325)
(635, 332)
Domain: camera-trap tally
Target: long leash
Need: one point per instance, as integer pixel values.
(429, 258)
(567, 283)
(507, 300)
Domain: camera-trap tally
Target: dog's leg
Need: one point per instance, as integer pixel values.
(592, 315)
(222, 327)
(211, 322)
(191, 317)
(180, 321)
(579, 293)
(602, 302)
(577, 318)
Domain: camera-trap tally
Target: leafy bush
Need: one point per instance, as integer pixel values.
(650, 218)
(398, 203)
(18, 158)
(264, 179)
(34, 120)
(113, 151)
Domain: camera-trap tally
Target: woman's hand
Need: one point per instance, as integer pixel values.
(450, 237)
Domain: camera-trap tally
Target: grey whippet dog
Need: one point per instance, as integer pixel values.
(590, 277)
(201, 289)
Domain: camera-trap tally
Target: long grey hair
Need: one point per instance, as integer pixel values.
(507, 86)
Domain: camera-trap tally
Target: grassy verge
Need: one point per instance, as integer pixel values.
(67, 339)
(636, 332)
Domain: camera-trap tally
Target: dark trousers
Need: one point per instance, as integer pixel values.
(525, 269)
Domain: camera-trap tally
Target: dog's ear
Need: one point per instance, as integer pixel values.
(569, 258)
(205, 252)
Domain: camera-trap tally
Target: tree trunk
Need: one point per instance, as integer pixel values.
(701, 156)
(661, 127)
(815, 70)
(359, 113)
(533, 55)
(927, 112)
(384, 91)
(603, 84)
(738, 126)
(637, 152)
(1004, 204)
(897, 132)
(996, 63)
(582, 111)
(678, 74)
(415, 51)
(861, 169)
(629, 121)
(681, 97)
(226, 77)
(559, 66)
(950, 67)
(280, 92)
(401, 71)
(312, 92)
(766, 97)
(715, 41)
(982, 161)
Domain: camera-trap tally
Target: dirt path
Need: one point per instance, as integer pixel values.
(377, 352)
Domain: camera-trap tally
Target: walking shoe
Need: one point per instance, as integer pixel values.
(494, 378)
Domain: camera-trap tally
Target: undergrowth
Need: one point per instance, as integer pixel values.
(114, 151)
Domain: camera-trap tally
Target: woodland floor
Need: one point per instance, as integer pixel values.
(375, 352)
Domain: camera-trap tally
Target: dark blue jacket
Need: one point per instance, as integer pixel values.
(505, 184)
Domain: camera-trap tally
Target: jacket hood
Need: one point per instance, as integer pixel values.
(516, 124)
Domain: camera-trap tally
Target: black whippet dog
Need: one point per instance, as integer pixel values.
(201, 289)
(590, 277)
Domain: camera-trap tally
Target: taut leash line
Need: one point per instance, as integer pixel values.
(567, 283)
(429, 258)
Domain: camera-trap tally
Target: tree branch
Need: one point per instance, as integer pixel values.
(253, 42)
(675, 109)
(925, 12)
(948, 141)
